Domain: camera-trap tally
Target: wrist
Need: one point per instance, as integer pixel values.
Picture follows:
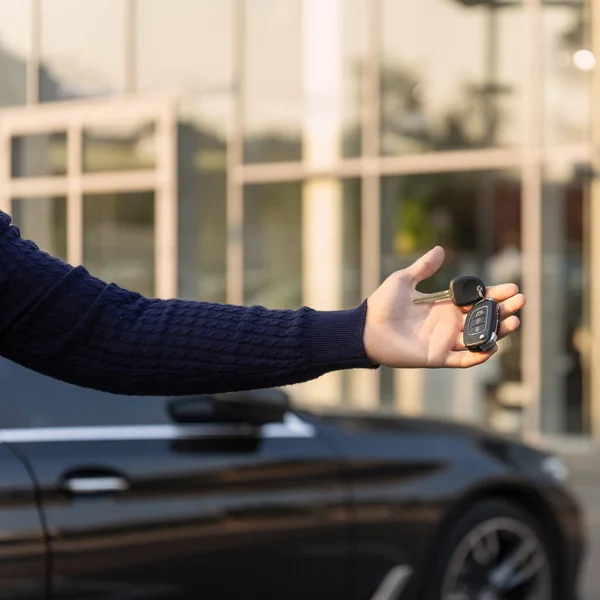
(337, 338)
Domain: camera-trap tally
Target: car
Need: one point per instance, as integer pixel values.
(247, 496)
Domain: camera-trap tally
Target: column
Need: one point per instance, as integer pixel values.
(322, 202)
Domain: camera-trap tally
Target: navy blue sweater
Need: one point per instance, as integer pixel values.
(61, 321)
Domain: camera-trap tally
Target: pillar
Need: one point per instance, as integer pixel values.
(322, 201)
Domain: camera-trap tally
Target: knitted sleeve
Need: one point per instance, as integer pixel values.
(61, 321)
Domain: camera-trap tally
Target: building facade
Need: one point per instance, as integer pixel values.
(296, 152)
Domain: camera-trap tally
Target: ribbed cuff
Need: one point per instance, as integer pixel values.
(337, 339)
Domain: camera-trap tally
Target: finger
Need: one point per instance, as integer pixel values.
(425, 266)
(511, 306)
(508, 326)
(464, 360)
(503, 293)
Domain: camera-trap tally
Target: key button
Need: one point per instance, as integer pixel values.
(480, 313)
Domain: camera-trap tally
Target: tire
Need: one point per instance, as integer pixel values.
(515, 529)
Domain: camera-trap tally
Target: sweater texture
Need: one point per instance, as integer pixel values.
(61, 321)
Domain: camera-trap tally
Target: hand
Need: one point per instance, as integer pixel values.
(401, 334)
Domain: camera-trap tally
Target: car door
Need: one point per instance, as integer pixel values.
(140, 506)
(23, 558)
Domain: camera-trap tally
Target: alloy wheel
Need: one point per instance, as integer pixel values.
(500, 559)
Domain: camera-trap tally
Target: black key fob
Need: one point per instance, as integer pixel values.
(481, 326)
(466, 290)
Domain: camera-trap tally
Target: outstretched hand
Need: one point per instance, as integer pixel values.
(401, 334)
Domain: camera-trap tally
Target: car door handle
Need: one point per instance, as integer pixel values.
(96, 484)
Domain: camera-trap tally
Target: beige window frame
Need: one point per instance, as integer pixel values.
(72, 118)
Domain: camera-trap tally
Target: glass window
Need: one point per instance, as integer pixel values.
(567, 69)
(565, 290)
(202, 190)
(44, 222)
(295, 77)
(273, 80)
(15, 24)
(82, 48)
(351, 243)
(282, 223)
(39, 155)
(29, 399)
(475, 217)
(120, 147)
(273, 245)
(451, 75)
(354, 51)
(118, 239)
(351, 390)
(184, 45)
(181, 62)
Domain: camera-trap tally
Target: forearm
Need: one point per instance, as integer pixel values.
(63, 322)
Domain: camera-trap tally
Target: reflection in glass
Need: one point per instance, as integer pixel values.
(567, 69)
(273, 81)
(354, 50)
(168, 61)
(273, 245)
(119, 148)
(118, 239)
(39, 155)
(44, 222)
(565, 287)
(476, 218)
(278, 37)
(202, 190)
(352, 272)
(274, 241)
(451, 76)
(351, 243)
(184, 45)
(82, 48)
(15, 16)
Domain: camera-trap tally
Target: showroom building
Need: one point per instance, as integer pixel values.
(296, 152)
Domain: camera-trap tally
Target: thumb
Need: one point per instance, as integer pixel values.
(425, 266)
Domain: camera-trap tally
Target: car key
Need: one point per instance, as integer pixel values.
(481, 326)
(462, 291)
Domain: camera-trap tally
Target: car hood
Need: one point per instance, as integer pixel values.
(510, 450)
(368, 422)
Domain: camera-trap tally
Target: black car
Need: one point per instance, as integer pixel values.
(242, 496)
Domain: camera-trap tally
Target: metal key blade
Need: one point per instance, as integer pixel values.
(463, 291)
(432, 297)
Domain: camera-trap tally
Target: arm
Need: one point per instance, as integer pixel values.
(61, 321)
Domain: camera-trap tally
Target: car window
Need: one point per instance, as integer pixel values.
(28, 399)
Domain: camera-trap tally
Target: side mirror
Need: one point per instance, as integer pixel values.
(256, 407)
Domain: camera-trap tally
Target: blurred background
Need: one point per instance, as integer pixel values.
(296, 152)
(292, 152)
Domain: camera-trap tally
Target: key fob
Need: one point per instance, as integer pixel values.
(481, 326)
(466, 290)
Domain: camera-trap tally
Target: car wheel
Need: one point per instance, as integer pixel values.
(495, 551)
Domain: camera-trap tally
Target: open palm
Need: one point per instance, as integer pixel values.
(399, 333)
